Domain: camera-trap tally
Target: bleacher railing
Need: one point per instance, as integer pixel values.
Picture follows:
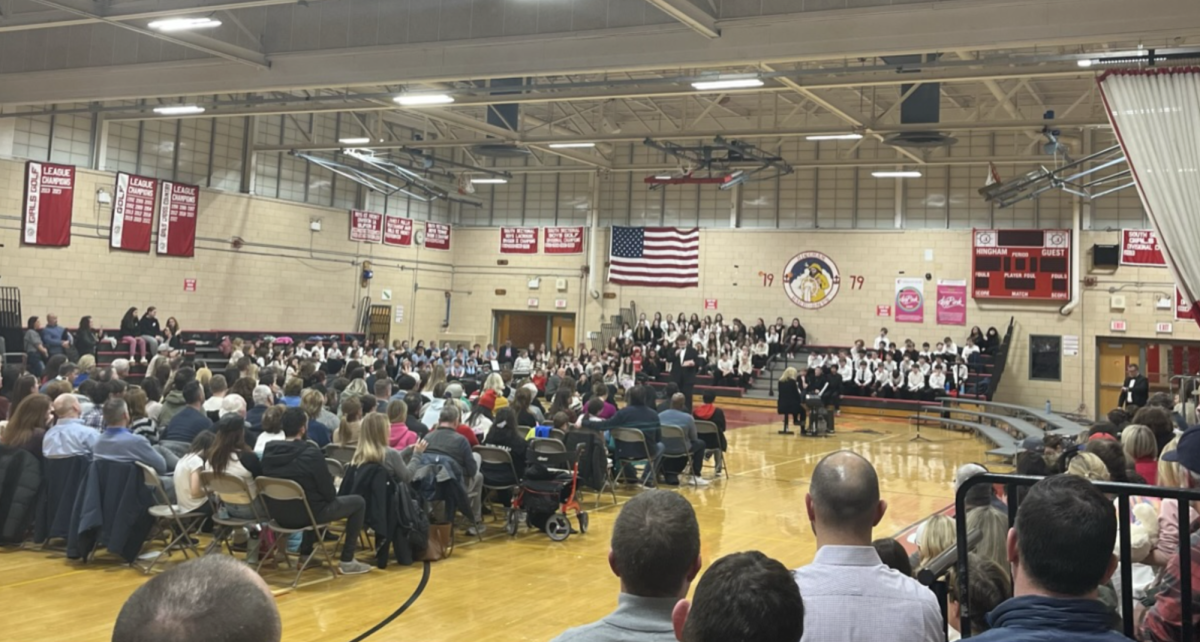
(1122, 493)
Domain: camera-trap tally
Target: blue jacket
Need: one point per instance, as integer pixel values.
(111, 507)
(1033, 618)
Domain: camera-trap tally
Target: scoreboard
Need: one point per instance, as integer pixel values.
(1021, 264)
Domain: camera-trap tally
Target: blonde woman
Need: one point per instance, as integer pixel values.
(373, 449)
(495, 383)
(1170, 475)
(352, 416)
(1141, 448)
(1088, 466)
(790, 399)
(354, 390)
(992, 525)
(937, 534)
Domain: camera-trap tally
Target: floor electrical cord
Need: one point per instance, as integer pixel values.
(403, 607)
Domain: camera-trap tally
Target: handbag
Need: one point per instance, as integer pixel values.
(441, 542)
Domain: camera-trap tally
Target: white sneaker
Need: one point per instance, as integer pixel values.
(354, 567)
(699, 482)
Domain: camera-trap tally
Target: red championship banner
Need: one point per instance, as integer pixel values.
(366, 227)
(1183, 308)
(563, 240)
(133, 213)
(1140, 247)
(49, 201)
(518, 240)
(177, 219)
(437, 236)
(397, 230)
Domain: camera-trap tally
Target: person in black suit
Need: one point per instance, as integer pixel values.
(507, 355)
(1136, 390)
(684, 367)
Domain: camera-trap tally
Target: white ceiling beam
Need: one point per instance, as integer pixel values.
(130, 11)
(211, 46)
(695, 17)
(825, 35)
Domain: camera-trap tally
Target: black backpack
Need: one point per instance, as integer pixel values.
(413, 519)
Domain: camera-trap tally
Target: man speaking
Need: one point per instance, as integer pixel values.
(683, 368)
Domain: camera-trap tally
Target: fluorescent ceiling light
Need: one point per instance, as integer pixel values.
(727, 83)
(354, 141)
(571, 145)
(903, 174)
(412, 100)
(184, 24)
(1084, 62)
(179, 110)
(489, 181)
(835, 137)
(663, 177)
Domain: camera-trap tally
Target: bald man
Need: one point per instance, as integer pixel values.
(848, 592)
(214, 597)
(69, 437)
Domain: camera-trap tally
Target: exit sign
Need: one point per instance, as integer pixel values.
(1118, 325)
(532, 302)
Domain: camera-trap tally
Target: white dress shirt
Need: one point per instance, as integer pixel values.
(850, 596)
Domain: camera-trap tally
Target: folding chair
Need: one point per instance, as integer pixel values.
(498, 458)
(676, 434)
(280, 491)
(228, 490)
(635, 440)
(551, 452)
(555, 433)
(524, 431)
(171, 518)
(709, 428)
(341, 453)
(336, 468)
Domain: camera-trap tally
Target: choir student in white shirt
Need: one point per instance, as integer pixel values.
(882, 342)
(959, 373)
(745, 367)
(883, 386)
(949, 347)
(937, 383)
(914, 384)
(862, 380)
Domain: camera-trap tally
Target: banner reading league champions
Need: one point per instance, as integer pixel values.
(48, 205)
(177, 219)
(133, 213)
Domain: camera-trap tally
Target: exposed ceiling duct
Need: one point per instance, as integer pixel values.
(505, 116)
(921, 105)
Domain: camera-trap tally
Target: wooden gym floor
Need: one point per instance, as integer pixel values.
(529, 588)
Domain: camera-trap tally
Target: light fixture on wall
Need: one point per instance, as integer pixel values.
(184, 24)
(417, 100)
(895, 174)
(178, 110)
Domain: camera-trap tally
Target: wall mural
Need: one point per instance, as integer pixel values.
(811, 280)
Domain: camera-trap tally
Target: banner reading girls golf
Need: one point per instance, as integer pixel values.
(133, 213)
(49, 201)
(910, 300)
(177, 219)
(951, 302)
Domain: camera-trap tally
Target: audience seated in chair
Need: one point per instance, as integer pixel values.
(847, 587)
(446, 440)
(211, 598)
(639, 416)
(743, 596)
(117, 443)
(655, 552)
(677, 415)
(296, 459)
(68, 437)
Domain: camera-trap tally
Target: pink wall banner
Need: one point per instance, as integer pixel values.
(133, 213)
(952, 302)
(49, 202)
(437, 236)
(397, 230)
(518, 240)
(1140, 247)
(366, 227)
(563, 240)
(177, 219)
(910, 300)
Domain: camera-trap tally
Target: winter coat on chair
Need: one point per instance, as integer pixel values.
(64, 477)
(112, 507)
(20, 485)
(382, 496)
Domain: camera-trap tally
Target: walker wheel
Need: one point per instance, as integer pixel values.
(511, 522)
(583, 522)
(558, 528)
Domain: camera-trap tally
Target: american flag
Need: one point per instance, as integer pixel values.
(656, 257)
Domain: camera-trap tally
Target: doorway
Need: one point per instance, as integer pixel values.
(379, 325)
(524, 328)
(1163, 362)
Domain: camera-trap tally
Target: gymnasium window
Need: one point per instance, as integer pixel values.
(1045, 358)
